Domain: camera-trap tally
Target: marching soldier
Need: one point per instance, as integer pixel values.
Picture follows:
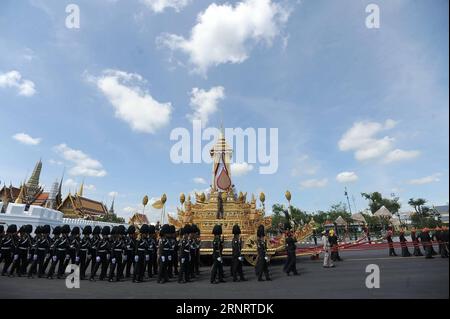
(389, 235)
(193, 260)
(92, 257)
(85, 246)
(140, 254)
(117, 247)
(172, 244)
(425, 239)
(74, 246)
(415, 242)
(52, 250)
(438, 236)
(20, 259)
(130, 247)
(405, 251)
(237, 258)
(197, 241)
(61, 246)
(152, 251)
(445, 237)
(184, 254)
(42, 243)
(262, 261)
(291, 248)
(102, 254)
(333, 239)
(163, 253)
(7, 247)
(217, 268)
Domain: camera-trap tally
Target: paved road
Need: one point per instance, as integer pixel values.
(414, 277)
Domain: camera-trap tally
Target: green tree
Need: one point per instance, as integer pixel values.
(111, 218)
(376, 201)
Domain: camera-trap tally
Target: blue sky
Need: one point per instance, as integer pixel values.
(369, 103)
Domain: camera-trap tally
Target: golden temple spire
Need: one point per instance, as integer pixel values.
(20, 198)
(80, 192)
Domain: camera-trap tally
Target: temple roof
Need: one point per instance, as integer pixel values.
(86, 206)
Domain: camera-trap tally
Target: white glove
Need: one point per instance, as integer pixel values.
(147, 257)
(47, 256)
(182, 260)
(219, 259)
(266, 258)
(163, 258)
(54, 258)
(77, 259)
(16, 257)
(169, 257)
(125, 258)
(97, 259)
(241, 258)
(113, 260)
(67, 256)
(34, 257)
(108, 256)
(136, 258)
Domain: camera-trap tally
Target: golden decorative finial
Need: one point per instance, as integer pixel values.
(80, 192)
(224, 196)
(202, 197)
(288, 196)
(145, 200)
(182, 198)
(262, 197)
(163, 198)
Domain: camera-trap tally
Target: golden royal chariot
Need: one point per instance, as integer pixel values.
(222, 205)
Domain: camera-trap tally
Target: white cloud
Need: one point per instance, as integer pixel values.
(199, 180)
(133, 104)
(74, 186)
(113, 194)
(425, 180)
(314, 183)
(55, 162)
(400, 155)
(13, 79)
(304, 166)
(130, 209)
(82, 163)
(26, 139)
(240, 169)
(159, 6)
(89, 187)
(226, 34)
(362, 139)
(70, 183)
(347, 177)
(204, 103)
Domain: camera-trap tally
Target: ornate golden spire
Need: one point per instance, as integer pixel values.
(80, 192)
(20, 198)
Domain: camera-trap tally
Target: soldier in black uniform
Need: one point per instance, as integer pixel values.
(389, 235)
(130, 247)
(176, 248)
(20, 259)
(32, 250)
(445, 238)
(163, 254)
(415, 242)
(439, 237)
(2, 232)
(61, 246)
(262, 261)
(217, 267)
(425, 239)
(92, 257)
(117, 248)
(184, 254)
(151, 251)
(7, 247)
(83, 252)
(170, 263)
(237, 258)
(403, 245)
(42, 244)
(103, 254)
(197, 241)
(154, 241)
(140, 253)
(52, 250)
(74, 246)
(291, 248)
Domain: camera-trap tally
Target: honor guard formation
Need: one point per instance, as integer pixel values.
(117, 253)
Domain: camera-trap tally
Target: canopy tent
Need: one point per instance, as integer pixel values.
(359, 218)
(383, 212)
(394, 222)
(340, 221)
